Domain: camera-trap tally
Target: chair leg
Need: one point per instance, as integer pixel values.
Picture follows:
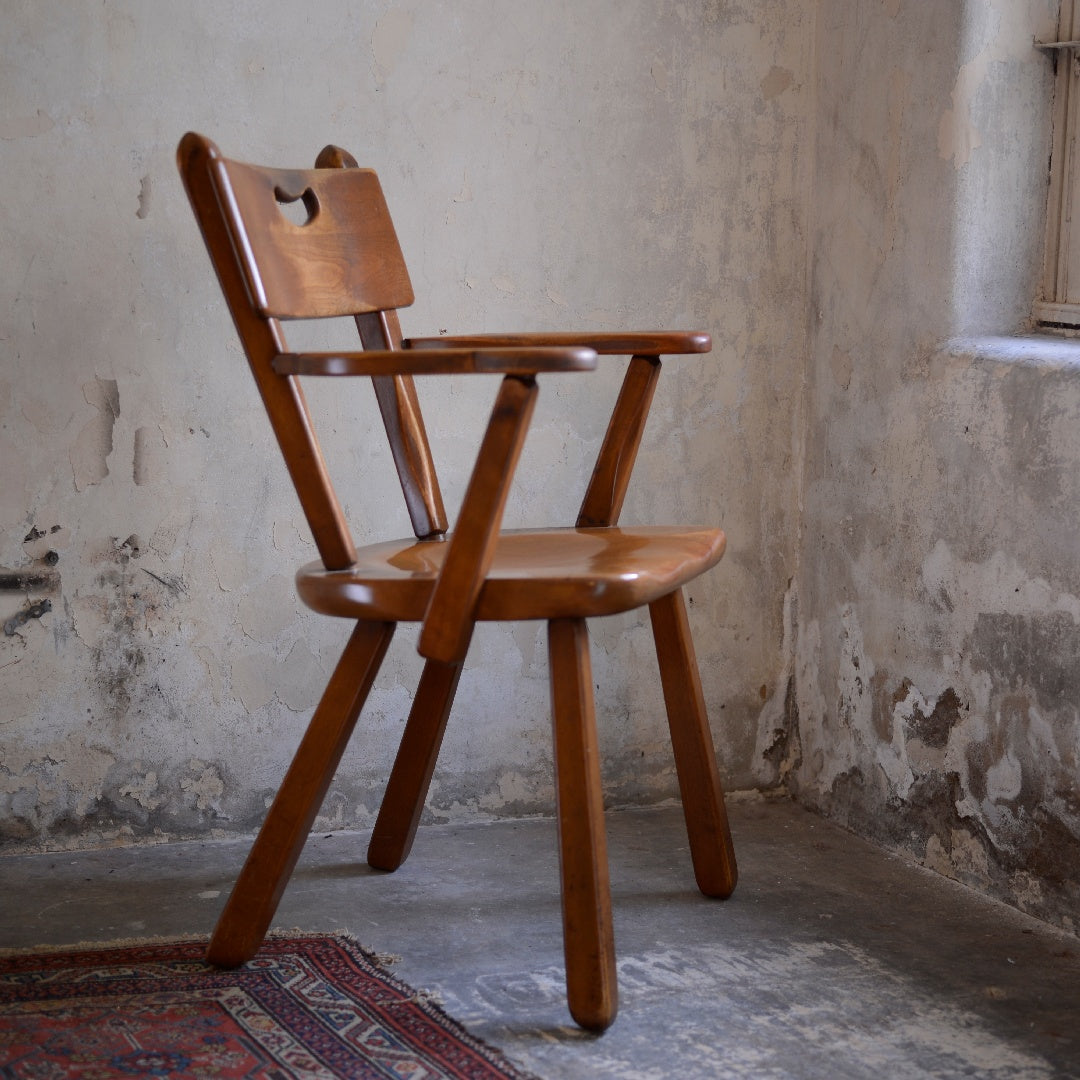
(695, 760)
(254, 898)
(588, 939)
(403, 803)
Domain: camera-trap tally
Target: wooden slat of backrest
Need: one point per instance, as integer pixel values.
(405, 429)
(398, 404)
(345, 259)
(198, 158)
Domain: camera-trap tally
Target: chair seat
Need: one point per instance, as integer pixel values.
(536, 574)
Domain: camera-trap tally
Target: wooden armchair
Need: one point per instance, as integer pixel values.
(345, 261)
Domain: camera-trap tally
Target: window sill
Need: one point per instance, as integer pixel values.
(1042, 349)
(1064, 316)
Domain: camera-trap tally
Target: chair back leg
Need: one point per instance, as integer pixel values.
(255, 896)
(695, 760)
(588, 938)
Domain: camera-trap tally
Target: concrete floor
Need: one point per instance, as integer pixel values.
(832, 959)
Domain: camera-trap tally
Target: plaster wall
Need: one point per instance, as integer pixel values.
(556, 165)
(939, 588)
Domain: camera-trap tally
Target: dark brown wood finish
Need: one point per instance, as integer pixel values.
(695, 761)
(490, 361)
(603, 500)
(345, 261)
(449, 619)
(588, 937)
(325, 267)
(634, 342)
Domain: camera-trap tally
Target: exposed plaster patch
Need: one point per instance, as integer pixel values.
(1036, 651)
(89, 456)
(251, 675)
(164, 539)
(148, 455)
(205, 784)
(145, 790)
(211, 658)
(268, 609)
(966, 590)
(989, 797)
(931, 722)
(26, 127)
(778, 741)
(230, 567)
(842, 367)
(144, 199)
(388, 42)
(1004, 779)
(776, 82)
(958, 137)
(300, 679)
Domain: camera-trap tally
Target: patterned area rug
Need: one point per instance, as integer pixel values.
(307, 1007)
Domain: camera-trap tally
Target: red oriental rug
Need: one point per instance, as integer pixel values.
(304, 1007)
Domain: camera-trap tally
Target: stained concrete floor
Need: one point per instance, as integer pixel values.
(832, 959)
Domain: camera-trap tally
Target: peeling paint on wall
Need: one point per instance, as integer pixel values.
(130, 413)
(90, 454)
(938, 583)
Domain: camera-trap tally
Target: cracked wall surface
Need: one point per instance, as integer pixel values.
(937, 702)
(548, 167)
(849, 196)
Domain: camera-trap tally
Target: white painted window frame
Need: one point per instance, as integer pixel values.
(1059, 302)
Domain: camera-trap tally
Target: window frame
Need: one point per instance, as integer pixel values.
(1057, 306)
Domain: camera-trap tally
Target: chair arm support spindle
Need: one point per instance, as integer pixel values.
(611, 476)
(449, 618)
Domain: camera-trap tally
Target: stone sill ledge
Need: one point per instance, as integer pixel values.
(1045, 350)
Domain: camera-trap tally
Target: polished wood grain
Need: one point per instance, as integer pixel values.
(534, 574)
(603, 500)
(325, 267)
(450, 614)
(255, 896)
(641, 343)
(510, 361)
(588, 937)
(711, 848)
(340, 257)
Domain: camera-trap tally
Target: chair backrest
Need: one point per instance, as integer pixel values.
(344, 260)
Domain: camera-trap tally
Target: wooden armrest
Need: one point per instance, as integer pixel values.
(483, 360)
(633, 343)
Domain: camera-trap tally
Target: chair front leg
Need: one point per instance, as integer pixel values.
(403, 803)
(695, 760)
(588, 938)
(255, 896)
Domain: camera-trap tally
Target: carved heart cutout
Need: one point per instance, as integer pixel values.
(300, 209)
